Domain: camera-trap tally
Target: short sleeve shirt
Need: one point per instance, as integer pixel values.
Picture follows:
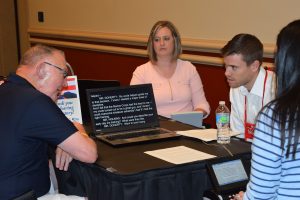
(29, 121)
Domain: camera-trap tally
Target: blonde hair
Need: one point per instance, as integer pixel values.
(177, 40)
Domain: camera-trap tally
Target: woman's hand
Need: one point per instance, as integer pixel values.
(238, 196)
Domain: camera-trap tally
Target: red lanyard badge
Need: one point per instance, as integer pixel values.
(249, 127)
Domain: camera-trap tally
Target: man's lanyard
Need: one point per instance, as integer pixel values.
(249, 128)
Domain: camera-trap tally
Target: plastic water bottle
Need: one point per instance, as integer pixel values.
(222, 122)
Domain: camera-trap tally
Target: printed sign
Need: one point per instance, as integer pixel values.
(69, 101)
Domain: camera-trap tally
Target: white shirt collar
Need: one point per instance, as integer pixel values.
(258, 86)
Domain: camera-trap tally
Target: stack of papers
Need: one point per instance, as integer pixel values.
(179, 154)
(203, 134)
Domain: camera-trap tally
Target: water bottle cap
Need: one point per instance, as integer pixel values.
(221, 102)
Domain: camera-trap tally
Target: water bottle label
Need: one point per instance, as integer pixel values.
(222, 118)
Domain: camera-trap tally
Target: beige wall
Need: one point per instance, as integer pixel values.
(198, 19)
(8, 41)
(23, 13)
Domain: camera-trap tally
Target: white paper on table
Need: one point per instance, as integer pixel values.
(179, 154)
(203, 134)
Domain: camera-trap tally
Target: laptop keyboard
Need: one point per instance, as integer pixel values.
(135, 134)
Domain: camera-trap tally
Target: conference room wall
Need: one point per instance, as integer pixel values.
(197, 19)
(89, 64)
(8, 38)
(107, 39)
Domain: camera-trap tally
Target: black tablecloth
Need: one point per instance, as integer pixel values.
(127, 173)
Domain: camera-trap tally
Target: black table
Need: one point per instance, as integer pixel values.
(125, 173)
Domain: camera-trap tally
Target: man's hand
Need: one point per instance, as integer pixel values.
(63, 159)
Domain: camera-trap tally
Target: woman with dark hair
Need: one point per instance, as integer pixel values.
(275, 165)
(176, 83)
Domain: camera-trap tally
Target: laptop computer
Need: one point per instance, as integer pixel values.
(228, 177)
(125, 115)
(193, 118)
(83, 85)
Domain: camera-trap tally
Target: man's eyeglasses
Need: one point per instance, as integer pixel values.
(64, 72)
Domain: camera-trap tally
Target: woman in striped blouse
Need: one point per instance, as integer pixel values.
(275, 165)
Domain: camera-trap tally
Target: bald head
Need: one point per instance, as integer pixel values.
(45, 68)
(37, 53)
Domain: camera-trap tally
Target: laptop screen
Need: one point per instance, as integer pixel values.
(122, 108)
(228, 175)
(83, 85)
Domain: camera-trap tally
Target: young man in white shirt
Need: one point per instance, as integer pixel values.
(251, 86)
